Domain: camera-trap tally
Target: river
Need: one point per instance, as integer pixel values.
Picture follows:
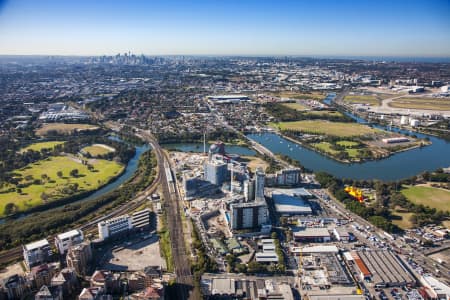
(398, 166)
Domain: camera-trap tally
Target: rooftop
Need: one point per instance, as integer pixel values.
(69, 234)
(37, 244)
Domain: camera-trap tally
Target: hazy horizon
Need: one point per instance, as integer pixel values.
(233, 28)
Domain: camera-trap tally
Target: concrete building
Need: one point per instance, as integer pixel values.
(308, 234)
(248, 214)
(342, 235)
(79, 257)
(286, 177)
(37, 253)
(216, 172)
(249, 190)
(64, 240)
(259, 184)
(141, 219)
(290, 203)
(114, 226)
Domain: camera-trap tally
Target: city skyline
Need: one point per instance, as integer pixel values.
(323, 28)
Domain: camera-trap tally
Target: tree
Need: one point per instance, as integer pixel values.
(10, 208)
(59, 174)
(74, 173)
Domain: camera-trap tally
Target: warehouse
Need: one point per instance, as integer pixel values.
(386, 269)
(312, 235)
(286, 204)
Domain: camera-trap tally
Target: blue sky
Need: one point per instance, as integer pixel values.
(226, 27)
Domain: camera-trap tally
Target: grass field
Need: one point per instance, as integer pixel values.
(347, 144)
(97, 149)
(296, 106)
(254, 162)
(428, 196)
(326, 147)
(64, 128)
(324, 113)
(421, 103)
(298, 95)
(371, 100)
(338, 129)
(87, 180)
(41, 145)
(404, 222)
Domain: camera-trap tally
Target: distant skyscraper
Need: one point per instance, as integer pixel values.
(259, 184)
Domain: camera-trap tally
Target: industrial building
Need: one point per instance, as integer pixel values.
(140, 219)
(64, 240)
(114, 226)
(312, 235)
(248, 214)
(61, 112)
(383, 268)
(228, 99)
(245, 288)
(288, 202)
(37, 253)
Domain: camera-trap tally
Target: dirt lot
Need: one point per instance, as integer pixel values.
(134, 256)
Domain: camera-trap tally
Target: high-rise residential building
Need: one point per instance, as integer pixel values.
(78, 258)
(114, 226)
(249, 214)
(64, 240)
(259, 184)
(37, 253)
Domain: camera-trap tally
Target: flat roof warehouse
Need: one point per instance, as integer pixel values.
(228, 99)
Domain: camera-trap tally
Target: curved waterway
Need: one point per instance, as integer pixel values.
(398, 166)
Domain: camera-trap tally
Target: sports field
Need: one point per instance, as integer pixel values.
(421, 103)
(322, 127)
(53, 186)
(41, 145)
(62, 128)
(97, 149)
(296, 106)
(428, 196)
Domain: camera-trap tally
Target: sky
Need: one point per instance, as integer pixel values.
(226, 27)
